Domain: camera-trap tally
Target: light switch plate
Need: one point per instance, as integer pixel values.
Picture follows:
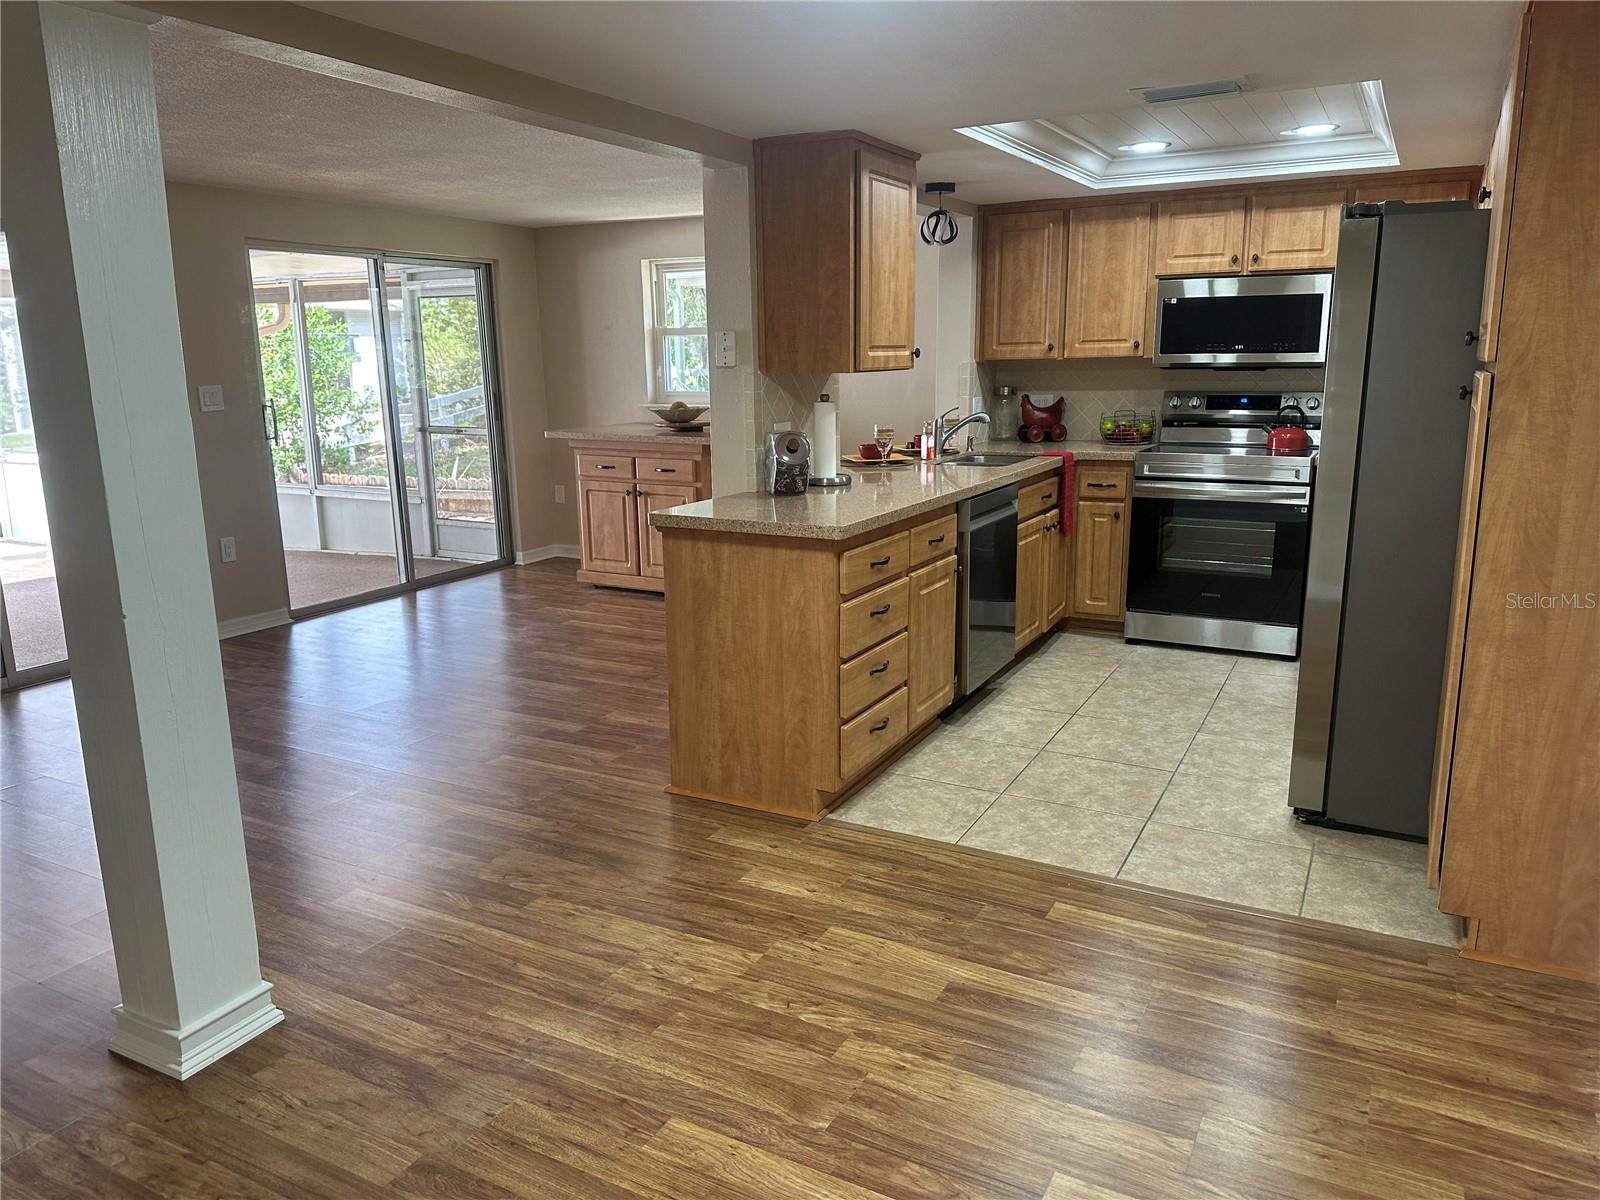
(228, 549)
(210, 397)
(723, 353)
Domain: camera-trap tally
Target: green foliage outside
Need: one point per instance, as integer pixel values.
(345, 418)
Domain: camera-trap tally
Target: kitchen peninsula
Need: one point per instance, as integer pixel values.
(812, 638)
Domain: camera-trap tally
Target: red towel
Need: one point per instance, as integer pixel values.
(1069, 476)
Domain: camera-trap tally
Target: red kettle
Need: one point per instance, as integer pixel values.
(1288, 439)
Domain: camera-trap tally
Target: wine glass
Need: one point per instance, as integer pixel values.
(883, 435)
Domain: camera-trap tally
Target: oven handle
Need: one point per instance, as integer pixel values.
(1251, 493)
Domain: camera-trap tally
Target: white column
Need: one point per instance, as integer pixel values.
(730, 305)
(86, 222)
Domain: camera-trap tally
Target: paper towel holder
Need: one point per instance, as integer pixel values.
(820, 452)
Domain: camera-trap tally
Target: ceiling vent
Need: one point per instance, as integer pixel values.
(1190, 91)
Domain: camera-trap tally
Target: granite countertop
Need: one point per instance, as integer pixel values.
(879, 496)
(633, 431)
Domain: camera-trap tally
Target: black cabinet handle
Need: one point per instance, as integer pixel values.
(666, 470)
(878, 612)
(936, 541)
(1465, 393)
(1049, 347)
(1050, 499)
(1233, 261)
(1135, 343)
(917, 353)
(1472, 338)
(880, 726)
(1483, 194)
(1093, 484)
(1117, 516)
(881, 562)
(608, 466)
(880, 670)
(1255, 258)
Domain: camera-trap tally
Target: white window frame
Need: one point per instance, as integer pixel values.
(655, 333)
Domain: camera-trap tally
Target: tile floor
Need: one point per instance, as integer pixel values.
(1164, 766)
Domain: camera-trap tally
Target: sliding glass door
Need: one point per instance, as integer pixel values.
(378, 382)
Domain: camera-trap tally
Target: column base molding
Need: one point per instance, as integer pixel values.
(182, 1052)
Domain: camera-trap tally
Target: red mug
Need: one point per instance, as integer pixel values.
(869, 450)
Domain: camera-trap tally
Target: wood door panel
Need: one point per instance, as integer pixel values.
(886, 271)
(1430, 191)
(1294, 231)
(1200, 237)
(932, 626)
(1108, 281)
(1031, 579)
(1058, 584)
(1023, 285)
(650, 498)
(608, 529)
(1100, 558)
(1500, 179)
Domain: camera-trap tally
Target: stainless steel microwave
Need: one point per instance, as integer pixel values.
(1243, 321)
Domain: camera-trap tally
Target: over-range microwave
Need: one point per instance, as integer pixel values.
(1243, 321)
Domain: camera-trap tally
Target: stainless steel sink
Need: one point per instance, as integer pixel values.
(991, 460)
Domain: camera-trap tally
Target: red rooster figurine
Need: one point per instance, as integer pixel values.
(1040, 421)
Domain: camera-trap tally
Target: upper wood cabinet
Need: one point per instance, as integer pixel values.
(1022, 285)
(1200, 236)
(1500, 174)
(1108, 281)
(1293, 231)
(1428, 191)
(836, 253)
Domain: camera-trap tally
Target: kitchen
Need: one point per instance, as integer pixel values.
(1221, 660)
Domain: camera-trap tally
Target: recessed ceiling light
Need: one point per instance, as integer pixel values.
(1319, 129)
(1144, 147)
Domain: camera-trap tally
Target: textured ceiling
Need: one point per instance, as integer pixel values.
(915, 72)
(234, 121)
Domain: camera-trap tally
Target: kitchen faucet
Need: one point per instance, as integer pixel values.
(941, 435)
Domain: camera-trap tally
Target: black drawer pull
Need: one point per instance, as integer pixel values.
(1093, 484)
(880, 726)
(879, 670)
(666, 470)
(1050, 499)
(881, 562)
(608, 466)
(878, 612)
(936, 541)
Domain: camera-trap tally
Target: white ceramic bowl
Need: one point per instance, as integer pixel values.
(686, 414)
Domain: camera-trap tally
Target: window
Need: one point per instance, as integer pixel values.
(678, 358)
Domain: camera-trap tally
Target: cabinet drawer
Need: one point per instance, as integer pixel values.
(1035, 497)
(869, 677)
(872, 563)
(1102, 483)
(870, 619)
(605, 466)
(872, 735)
(668, 470)
(933, 540)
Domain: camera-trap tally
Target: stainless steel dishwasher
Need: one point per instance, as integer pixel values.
(986, 609)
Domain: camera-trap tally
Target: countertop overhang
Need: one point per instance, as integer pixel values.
(634, 431)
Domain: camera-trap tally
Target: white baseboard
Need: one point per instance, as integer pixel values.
(556, 550)
(235, 626)
(181, 1052)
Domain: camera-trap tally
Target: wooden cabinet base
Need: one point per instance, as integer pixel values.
(634, 583)
(619, 484)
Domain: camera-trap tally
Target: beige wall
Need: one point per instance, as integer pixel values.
(211, 228)
(591, 299)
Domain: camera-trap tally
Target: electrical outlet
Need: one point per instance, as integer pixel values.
(230, 552)
(561, 494)
(722, 348)
(781, 426)
(210, 397)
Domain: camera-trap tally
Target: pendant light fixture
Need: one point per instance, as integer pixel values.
(939, 227)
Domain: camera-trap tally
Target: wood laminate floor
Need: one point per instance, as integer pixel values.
(512, 967)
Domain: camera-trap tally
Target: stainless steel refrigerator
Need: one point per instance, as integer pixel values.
(1385, 511)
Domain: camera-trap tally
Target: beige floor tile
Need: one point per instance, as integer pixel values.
(1015, 720)
(1079, 838)
(1085, 645)
(1377, 896)
(1257, 809)
(1091, 783)
(1056, 693)
(1259, 762)
(1196, 669)
(920, 806)
(1139, 743)
(1372, 848)
(1262, 689)
(1239, 871)
(950, 757)
(1249, 665)
(1076, 671)
(1177, 709)
(1251, 720)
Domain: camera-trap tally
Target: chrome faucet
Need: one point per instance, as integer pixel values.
(941, 434)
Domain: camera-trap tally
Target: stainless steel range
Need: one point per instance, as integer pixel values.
(1221, 526)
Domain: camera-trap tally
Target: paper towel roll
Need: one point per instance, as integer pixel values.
(824, 439)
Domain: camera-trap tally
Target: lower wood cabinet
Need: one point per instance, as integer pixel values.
(932, 631)
(619, 485)
(1032, 578)
(1101, 559)
(1058, 577)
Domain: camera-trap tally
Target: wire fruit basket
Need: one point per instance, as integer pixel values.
(1128, 427)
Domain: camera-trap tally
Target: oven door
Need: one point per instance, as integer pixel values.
(1240, 321)
(1218, 564)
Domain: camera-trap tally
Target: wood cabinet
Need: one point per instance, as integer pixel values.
(1022, 285)
(1293, 231)
(1200, 236)
(932, 630)
(1101, 559)
(1499, 182)
(1430, 191)
(619, 484)
(1058, 575)
(835, 253)
(1108, 281)
(1032, 578)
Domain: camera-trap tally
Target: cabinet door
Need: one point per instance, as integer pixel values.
(1429, 192)
(1024, 282)
(1500, 174)
(1108, 281)
(1294, 231)
(886, 265)
(1031, 580)
(649, 497)
(1058, 589)
(608, 529)
(1200, 237)
(933, 639)
(1100, 553)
